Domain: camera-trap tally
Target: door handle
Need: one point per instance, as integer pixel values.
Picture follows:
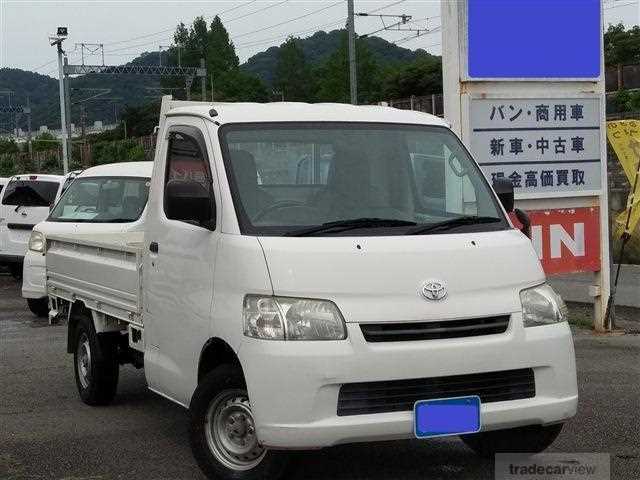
(153, 247)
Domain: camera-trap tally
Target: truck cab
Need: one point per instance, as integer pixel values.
(295, 310)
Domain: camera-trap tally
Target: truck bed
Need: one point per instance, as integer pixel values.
(102, 270)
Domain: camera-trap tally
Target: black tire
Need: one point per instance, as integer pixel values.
(98, 386)
(15, 269)
(227, 381)
(529, 439)
(39, 306)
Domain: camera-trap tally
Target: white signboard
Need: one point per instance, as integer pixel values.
(541, 145)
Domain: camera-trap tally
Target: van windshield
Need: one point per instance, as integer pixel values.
(102, 200)
(30, 193)
(355, 179)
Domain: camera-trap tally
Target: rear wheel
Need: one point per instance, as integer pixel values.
(38, 306)
(529, 439)
(15, 269)
(223, 432)
(95, 363)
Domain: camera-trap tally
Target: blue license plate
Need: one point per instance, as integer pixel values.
(446, 416)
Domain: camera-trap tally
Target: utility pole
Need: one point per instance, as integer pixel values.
(353, 78)
(29, 131)
(67, 103)
(57, 40)
(203, 83)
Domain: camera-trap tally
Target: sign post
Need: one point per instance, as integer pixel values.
(524, 90)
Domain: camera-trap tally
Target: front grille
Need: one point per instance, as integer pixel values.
(400, 395)
(398, 332)
(20, 226)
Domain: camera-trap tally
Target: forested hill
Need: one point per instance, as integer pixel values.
(318, 47)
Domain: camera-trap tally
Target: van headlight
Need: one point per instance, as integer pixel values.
(36, 242)
(286, 318)
(541, 305)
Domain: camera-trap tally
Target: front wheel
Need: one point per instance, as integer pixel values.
(529, 439)
(96, 366)
(223, 432)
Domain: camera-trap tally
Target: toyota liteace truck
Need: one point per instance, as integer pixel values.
(383, 293)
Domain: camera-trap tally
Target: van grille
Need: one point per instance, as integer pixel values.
(400, 395)
(399, 332)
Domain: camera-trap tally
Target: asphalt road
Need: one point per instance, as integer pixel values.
(47, 433)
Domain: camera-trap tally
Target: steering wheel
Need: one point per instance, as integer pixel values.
(85, 209)
(277, 206)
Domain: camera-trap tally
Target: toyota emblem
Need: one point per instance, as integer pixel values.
(434, 290)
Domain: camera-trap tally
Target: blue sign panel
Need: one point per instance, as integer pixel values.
(534, 39)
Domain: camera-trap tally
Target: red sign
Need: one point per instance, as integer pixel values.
(566, 240)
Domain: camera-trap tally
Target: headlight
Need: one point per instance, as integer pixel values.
(541, 305)
(36, 242)
(284, 318)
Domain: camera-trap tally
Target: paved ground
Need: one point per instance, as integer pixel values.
(575, 287)
(47, 433)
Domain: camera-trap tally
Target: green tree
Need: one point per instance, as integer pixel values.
(333, 75)
(293, 77)
(420, 77)
(621, 45)
(8, 145)
(45, 141)
(221, 54)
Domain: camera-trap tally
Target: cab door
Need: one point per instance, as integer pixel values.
(180, 259)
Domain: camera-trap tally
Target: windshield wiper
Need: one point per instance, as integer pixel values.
(350, 224)
(451, 223)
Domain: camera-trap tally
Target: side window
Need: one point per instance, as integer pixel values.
(188, 194)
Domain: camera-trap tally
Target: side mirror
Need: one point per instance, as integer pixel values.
(189, 201)
(504, 188)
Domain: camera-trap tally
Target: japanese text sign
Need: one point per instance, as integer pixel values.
(541, 145)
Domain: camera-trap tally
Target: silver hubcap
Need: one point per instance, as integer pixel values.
(84, 361)
(231, 431)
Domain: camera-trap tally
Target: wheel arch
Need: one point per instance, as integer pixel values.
(216, 352)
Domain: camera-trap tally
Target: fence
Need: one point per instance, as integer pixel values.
(83, 155)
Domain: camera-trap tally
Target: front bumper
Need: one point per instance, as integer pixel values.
(294, 386)
(34, 275)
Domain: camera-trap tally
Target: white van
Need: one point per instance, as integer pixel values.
(3, 182)
(104, 199)
(26, 200)
(292, 307)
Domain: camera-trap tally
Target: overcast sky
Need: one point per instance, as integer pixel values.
(129, 27)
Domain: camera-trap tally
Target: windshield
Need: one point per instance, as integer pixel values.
(102, 200)
(30, 193)
(389, 177)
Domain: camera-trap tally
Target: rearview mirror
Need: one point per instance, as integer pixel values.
(190, 201)
(504, 188)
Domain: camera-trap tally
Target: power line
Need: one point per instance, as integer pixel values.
(255, 11)
(172, 29)
(264, 41)
(290, 20)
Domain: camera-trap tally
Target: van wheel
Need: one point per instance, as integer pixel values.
(529, 439)
(15, 269)
(95, 360)
(39, 306)
(223, 434)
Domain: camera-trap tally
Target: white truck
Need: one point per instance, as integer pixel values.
(387, 298)
(107, 198)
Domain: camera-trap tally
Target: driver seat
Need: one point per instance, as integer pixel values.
(253, 197)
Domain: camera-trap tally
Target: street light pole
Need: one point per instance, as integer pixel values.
(57, 40)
